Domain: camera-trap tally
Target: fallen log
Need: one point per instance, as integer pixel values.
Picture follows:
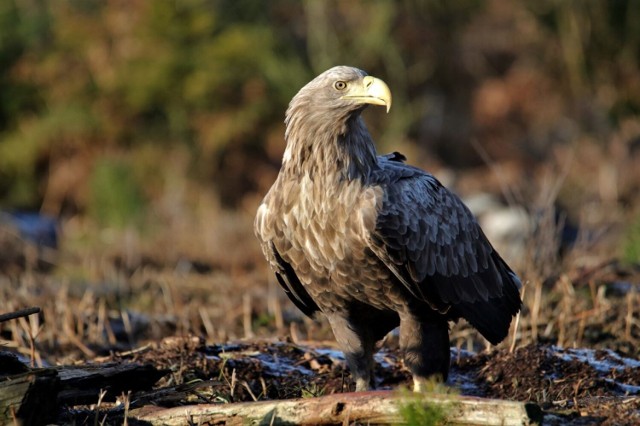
(82, 384)
(380, 407)
(29, 398)
(33, 396)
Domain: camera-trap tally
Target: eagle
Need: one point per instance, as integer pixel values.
(373, 243)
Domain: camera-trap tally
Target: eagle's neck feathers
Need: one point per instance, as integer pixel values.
(319, 148)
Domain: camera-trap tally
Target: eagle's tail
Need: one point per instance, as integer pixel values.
(492, 317)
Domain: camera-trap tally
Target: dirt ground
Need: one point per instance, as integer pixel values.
(222, 332)
(572, 386)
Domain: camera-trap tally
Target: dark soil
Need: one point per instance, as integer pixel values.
(602, 389)
(572, 386)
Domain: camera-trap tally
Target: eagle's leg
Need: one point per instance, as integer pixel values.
(425, 345)
(358, 346)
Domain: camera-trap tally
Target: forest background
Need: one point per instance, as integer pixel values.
(150, 130)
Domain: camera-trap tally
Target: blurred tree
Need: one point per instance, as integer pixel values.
(84, 80)
(116, 198)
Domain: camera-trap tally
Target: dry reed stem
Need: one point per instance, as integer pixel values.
(246, 316)
(206, 322)
(273, 302)
(101, 396)
(628, 320)
(127, 402)
(535, 309)
(248, 388)
(126, 321)
(20, 313)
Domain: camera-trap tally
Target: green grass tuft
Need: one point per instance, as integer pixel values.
(421, 413)
(416, 411)
(632, 243)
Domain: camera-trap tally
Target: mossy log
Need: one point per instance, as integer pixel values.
(381, 407)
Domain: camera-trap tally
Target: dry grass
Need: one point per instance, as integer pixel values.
(197, 269)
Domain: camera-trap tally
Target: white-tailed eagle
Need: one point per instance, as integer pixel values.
(373, 243)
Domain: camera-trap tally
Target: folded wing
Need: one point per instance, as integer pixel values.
(435, 247)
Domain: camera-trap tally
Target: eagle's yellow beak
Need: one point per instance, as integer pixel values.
(372, 91)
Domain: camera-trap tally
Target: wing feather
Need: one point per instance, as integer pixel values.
(433, 244)
(267, 232)
(292, 286)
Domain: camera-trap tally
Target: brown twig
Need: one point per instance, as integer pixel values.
(20, 314)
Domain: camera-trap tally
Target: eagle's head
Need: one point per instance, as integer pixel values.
(324, 128)
(338, 93)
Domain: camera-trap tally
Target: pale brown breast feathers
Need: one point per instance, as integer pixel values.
(323, 235)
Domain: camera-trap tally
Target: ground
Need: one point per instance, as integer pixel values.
(222, 330)
(572, 386)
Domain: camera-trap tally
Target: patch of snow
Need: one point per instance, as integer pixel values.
(381, 357)
(611, 360)
(460, 353)
(627, 389)
(281, 366)
(603, 361)
(621, 288)
(333, 354)
(465, 383)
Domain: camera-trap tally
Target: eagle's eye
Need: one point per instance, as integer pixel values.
(340, 85)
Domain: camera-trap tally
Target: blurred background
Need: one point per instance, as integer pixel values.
(138, 137)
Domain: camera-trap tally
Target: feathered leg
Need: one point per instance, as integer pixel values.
(358, 346)
(426, 349)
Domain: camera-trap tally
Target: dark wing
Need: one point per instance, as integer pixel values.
(435, 247)
(267, 231)
(291, 284)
